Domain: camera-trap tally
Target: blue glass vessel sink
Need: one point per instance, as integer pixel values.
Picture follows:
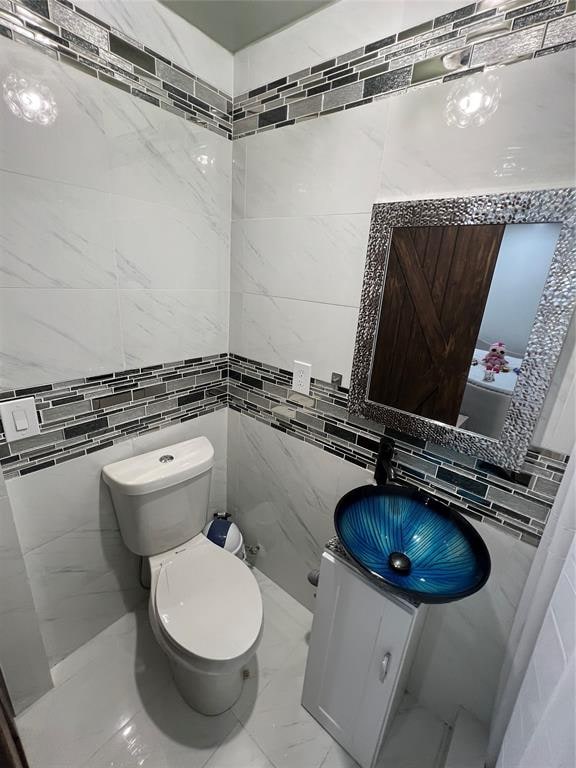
(415, 544)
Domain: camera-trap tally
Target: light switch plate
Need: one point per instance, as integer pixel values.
(19, 418)
(301, 377)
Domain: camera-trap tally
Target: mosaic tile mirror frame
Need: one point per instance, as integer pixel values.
(546, 338)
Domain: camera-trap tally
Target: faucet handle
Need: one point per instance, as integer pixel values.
(384, 473)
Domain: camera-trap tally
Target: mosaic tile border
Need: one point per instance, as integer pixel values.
(86, 415)
(518, 502)
(75, 37)
(89, 414)
(464, 42)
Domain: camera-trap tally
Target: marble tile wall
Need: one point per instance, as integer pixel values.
(81, 575)
(115, 232)
(452, 45)
(147, 293)
(22, 655)
(518, 502)
(300, 219)
(114, 256)
(342, 26)
(77, 38)
(288, 182)
(458, 42)
(155, 26)
(540, 729)
(282, 493)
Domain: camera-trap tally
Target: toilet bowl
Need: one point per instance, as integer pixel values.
(205, 605)
(206, 614)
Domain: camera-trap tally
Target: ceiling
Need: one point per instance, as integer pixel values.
(237, 23)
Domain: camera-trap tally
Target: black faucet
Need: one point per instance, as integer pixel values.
(384, 473)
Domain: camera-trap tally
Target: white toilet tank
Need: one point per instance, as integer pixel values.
(161, 497)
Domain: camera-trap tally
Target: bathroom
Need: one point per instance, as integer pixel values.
(193, 209)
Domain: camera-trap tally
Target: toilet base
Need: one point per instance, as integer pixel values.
(206, 693)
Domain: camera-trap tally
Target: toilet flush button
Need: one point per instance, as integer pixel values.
(19, 418)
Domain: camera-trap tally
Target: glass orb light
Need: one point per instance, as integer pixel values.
(473, 101)
(29, 99)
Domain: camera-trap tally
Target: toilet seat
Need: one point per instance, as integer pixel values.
(208, 604)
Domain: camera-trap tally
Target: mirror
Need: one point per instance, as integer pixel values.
(464, 310)
(457, 310)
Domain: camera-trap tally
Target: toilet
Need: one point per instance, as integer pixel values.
(205, 605)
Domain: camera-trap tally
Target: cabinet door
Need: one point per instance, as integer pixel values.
(358, 642)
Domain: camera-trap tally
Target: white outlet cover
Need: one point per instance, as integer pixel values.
(19, 418)
(301, 377)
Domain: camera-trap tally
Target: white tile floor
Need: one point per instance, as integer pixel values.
(114, 706)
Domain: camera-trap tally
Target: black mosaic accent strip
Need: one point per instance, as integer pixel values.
(535, 18)
(378, 45)
(461, 13)
(37, 6)
(90, 414)
(475, 19)
(516, 502)
(79, 39)
(525, 9)
(389, 81)
(556, 49)
(131, 53)
(404, 60)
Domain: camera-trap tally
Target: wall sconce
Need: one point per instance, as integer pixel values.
(29, 99)
(473, 101)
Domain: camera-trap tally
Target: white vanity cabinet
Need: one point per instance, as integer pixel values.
(361, 648)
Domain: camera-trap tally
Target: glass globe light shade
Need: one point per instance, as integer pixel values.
(473, 101)
(29, 99)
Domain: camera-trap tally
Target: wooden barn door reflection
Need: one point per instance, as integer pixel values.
(437, 284)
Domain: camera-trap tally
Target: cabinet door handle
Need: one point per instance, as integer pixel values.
(384, 664)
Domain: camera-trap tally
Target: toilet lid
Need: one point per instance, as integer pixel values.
(209, 603)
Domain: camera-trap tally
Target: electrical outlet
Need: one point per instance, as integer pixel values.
(301, 377)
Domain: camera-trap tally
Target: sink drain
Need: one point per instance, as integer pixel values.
(400, 563)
